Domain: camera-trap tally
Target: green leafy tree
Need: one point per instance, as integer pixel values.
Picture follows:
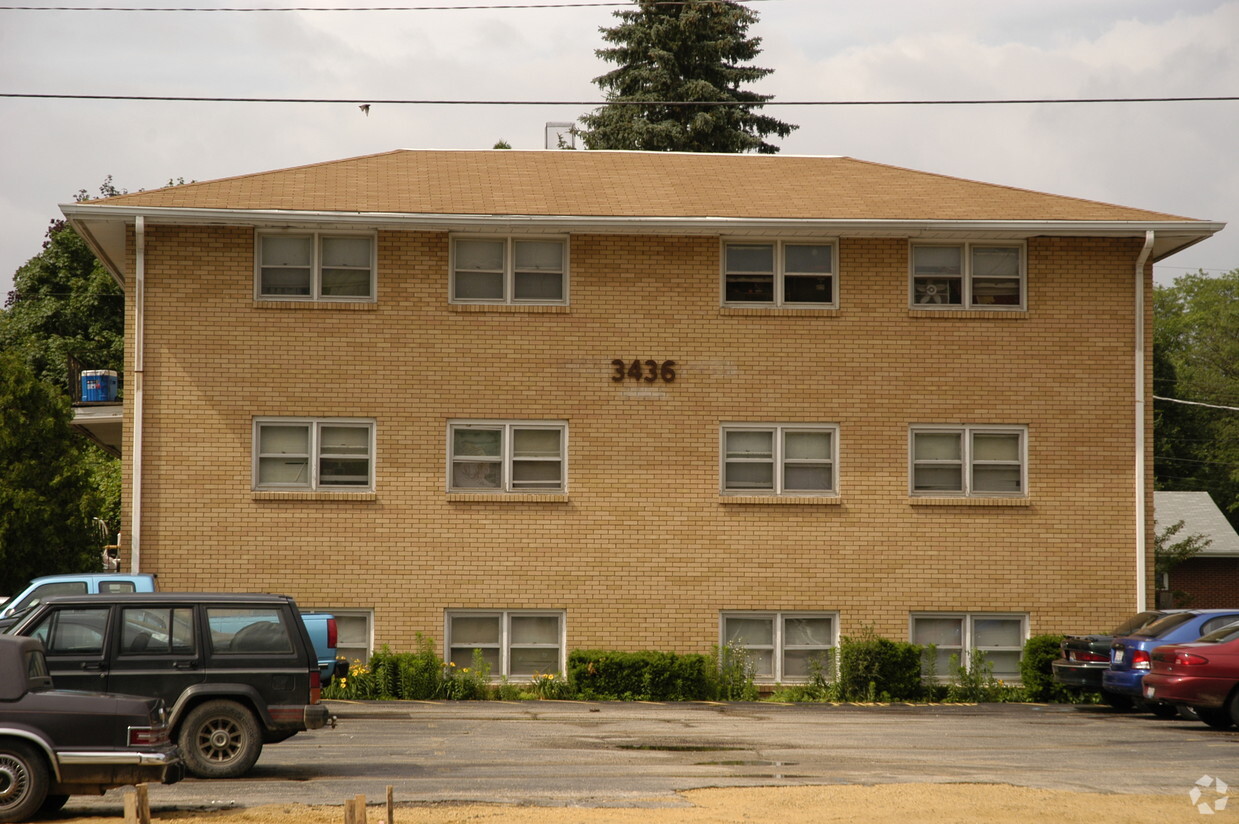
(1169, 553)
(64, 305)
(1196, 358)
(46, 498)
(697, 52)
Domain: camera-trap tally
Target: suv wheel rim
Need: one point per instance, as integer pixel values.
(219, 740)
(14, 780)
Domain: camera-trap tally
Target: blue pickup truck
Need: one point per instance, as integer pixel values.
(321, 625)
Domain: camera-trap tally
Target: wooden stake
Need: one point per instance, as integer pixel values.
(391, 811)
(144, 803)
(131, 807)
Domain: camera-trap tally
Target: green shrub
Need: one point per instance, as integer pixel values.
(467, 683)
(638, 676)
(1037, 674)
(878, 669)
(733, 674)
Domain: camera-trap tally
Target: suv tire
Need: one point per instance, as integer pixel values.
(23, 781)
(219, 739)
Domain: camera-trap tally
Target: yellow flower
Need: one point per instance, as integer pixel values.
(452, 664)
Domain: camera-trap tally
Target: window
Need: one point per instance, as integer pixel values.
(43, 592)
(354, 639)
(507, 270)
(248, 630)
(513, 644)
(506, 457)
(310, 454)
(967, 276)
(781, 273)
(313, 266)
(779, 459)
(968, 460)
(782, 646)
(156, 631)
(73, 631)
(999, 639)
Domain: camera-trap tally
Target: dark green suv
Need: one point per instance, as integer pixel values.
(236, 670)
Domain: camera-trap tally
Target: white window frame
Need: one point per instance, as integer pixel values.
(778, 647)
(966, 462)
(968, 633)
(316, 267)
(367, 615)
(968, 298)
(315, 455)
(506, 458)
(778, 459)
(509, 269)
(505, 644)
(780, 273)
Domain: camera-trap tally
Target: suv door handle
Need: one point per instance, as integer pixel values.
(100, 666)
(184, 665)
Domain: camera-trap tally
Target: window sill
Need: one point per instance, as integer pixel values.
(775, 500)
(970, 314)
(313, 496)
(776, 311)
(929, 501)
(508, 497)
(509, 308)
(319, 305)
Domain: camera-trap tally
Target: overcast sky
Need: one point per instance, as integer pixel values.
(1181, 158)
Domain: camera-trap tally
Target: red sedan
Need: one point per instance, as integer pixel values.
(1203, 675)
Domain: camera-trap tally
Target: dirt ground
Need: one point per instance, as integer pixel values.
(881, 804)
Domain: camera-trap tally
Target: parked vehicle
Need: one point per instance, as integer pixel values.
(1131, 656)
(1085, 658)
(54, 744)
(236, 670)
(73, 584)
(321, 625)
(1202, 674)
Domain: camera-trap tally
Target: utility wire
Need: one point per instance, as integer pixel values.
(629, 3)
(716, 103)
(1196, 403)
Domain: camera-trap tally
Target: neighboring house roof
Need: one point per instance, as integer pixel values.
(1200, 516)
(604, 191)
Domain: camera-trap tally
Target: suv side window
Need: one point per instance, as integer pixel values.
(109, 587)
(73, 631)
(156, 631)
(247, 631)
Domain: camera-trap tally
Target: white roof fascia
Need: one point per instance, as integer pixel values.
(271, 217)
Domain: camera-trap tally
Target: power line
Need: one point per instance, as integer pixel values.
(629, 3)
(716, 103)
(1195, 403)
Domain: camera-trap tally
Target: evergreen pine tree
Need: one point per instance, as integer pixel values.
(691, 51)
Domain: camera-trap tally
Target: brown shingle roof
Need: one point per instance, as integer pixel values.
(627, 184)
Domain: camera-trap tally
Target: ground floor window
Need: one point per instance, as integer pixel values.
(784, 647)
(354, 633)
(513, 643)
(999, 638)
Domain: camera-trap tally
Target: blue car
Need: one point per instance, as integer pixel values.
(1131, 656)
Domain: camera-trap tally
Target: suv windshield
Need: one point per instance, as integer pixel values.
(1163, 625)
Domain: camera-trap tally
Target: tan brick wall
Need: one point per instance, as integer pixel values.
(643, 552)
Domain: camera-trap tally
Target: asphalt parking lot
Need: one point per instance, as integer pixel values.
(638, 754)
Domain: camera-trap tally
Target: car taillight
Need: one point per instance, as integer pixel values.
(332, 635)
(148, 736)
(1189, 659)
(1082, 657)
(1140, 660)
(316, 688)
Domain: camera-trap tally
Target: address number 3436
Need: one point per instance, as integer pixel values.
(639, 370)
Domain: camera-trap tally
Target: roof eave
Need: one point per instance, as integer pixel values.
(98, 225)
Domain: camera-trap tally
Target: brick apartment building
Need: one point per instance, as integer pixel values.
(531, 402)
